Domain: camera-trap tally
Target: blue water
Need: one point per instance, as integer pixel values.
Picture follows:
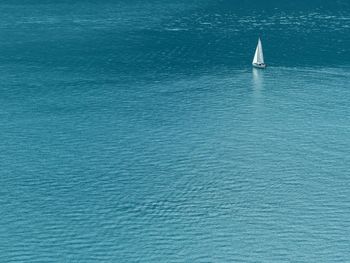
(137, 131)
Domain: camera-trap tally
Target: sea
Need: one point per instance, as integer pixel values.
(138, 131)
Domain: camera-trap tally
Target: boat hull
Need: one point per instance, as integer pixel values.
(256, 65)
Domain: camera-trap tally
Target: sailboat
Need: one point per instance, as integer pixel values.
(258, 61)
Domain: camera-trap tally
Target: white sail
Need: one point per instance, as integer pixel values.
(259, 55)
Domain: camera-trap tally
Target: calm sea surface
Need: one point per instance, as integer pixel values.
(137, 131)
